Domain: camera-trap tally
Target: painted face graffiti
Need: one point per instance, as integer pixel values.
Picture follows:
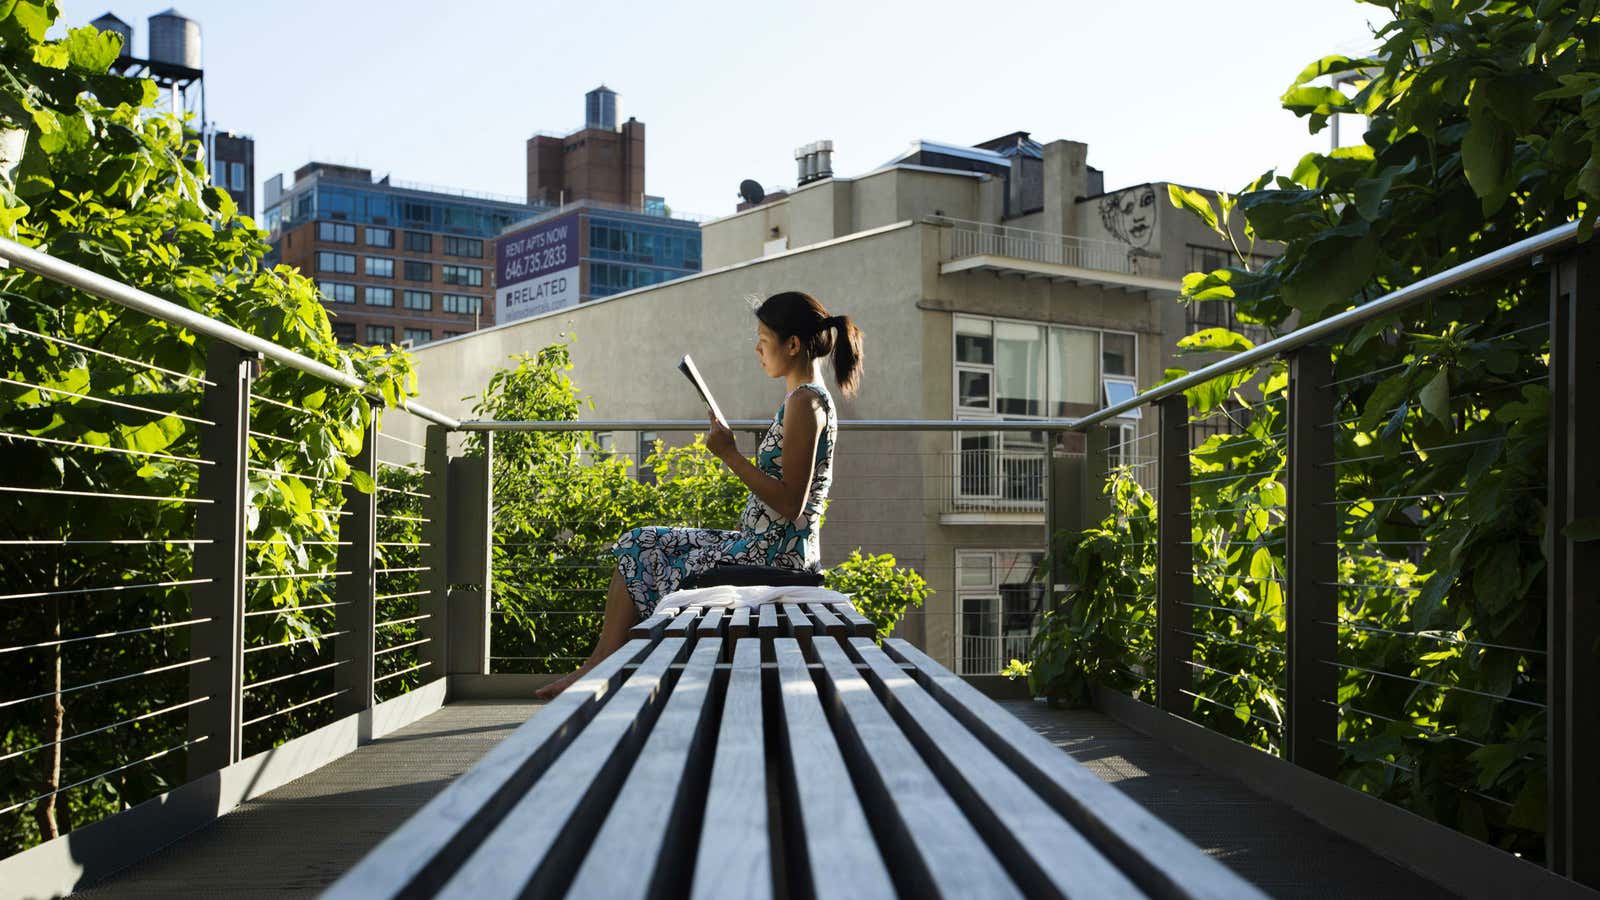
(1131, 215)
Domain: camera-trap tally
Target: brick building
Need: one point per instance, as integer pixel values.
(394, 262)
(600, 161)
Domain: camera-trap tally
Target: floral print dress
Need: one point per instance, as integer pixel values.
(655, 559)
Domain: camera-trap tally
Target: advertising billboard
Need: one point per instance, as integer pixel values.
(537, 269)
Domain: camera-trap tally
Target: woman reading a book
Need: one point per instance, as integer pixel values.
(788, 481)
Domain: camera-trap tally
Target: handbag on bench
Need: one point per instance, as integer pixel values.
(741, 576)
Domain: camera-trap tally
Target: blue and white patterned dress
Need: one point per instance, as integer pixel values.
(654, 560)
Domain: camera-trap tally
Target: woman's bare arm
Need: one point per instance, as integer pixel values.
(803, 417)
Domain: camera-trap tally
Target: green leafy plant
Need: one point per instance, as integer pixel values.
(878, 588)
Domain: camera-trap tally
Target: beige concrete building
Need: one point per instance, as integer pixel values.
(990, 283)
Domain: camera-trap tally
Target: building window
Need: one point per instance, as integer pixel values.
(380, 237)
(380, 296)
(236, 176)
(336, 232)
(344, 263)
(1001, 599)
(470, 276)
(451, 334)
(461, 303)
(380, 267)
(380, 334)
(418, 242)
(647, 446)
(1221, 313)
(336, 292)
(344, 332)
(422, 300)
(418, 335)
(471, 247)
(418, 271)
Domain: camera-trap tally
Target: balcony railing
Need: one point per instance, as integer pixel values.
(967, 239)
(221, 631)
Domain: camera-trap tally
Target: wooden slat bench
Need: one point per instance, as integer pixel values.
(780, 753)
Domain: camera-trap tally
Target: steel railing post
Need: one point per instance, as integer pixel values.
(470, 557)
(1312, 559)
(356, 590)
(219, 564)
(1573, 579)
(1174, 559)
(436, 533)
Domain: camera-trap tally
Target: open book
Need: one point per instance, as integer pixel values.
(686, 366)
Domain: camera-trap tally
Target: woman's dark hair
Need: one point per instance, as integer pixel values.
(798, 314)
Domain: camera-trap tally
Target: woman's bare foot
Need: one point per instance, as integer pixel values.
(549, 691)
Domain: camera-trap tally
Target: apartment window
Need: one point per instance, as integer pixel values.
(451, 334)
(344, 332)
(336, 292)
(471, 247)
(418, 271)
(236, 176)
(418, 335)
(647, 446)
(380, 267)
(1116, 353)
(344, 263)
(380, 237)
(1001, 600)
(418, 242)
(471, 276)
(380, 334)
(380, 296)
(336, 232)
(461, 303)
(418, 300)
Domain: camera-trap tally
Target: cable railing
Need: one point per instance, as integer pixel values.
(968, 238)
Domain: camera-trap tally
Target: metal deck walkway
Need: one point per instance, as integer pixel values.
(296, 840)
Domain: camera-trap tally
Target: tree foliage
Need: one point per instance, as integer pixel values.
(97, 400)
(1483, 128)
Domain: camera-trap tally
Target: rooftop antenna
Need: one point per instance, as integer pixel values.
(750, 191)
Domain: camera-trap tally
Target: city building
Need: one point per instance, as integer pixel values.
(395, 262)
(231, 159)
(599, 161)
(993, 282)
(586, 250)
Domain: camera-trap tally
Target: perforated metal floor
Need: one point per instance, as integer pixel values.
(296, 840)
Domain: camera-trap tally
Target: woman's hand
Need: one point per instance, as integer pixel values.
(720, 440)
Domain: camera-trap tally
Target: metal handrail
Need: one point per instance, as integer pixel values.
(1488, 264)
(47, 266)
(958, 425)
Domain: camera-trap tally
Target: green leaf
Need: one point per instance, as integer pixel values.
(52, 55)
(1586, 528)
(1335, 266)
(1435, 398)
(1486, 157)
(1215, 340)
(363, 482)
(1370, 192)
(1195, 202)
(93, 50)
(1383, 398)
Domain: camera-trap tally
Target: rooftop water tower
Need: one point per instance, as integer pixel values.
(175, 40)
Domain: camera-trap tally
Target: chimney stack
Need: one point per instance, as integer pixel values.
(814, 161)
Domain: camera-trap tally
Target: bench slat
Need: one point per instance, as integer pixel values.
(420, 854)
(1044, 853)
(734, 859)
(711, 623)
(683, 625)
(860, 626)
(1162, 861)
(827, 622)
(665, 782)
(932, 843)
(651, 628)
(795, 623)
(844, 860)
(539, 842)
(740, 626)
(768, 627)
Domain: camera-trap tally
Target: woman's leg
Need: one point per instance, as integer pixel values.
(620, 616)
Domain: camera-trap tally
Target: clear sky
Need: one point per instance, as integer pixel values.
(448, 93)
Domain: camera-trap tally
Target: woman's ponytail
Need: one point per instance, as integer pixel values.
(847, 356)
(797, 314)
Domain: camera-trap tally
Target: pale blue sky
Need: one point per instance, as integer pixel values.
(448, 92)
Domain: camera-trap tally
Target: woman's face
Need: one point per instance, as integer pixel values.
(770, 351)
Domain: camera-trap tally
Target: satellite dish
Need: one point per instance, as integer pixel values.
(750, 191)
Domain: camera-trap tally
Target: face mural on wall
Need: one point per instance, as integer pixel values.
(1131, 215)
